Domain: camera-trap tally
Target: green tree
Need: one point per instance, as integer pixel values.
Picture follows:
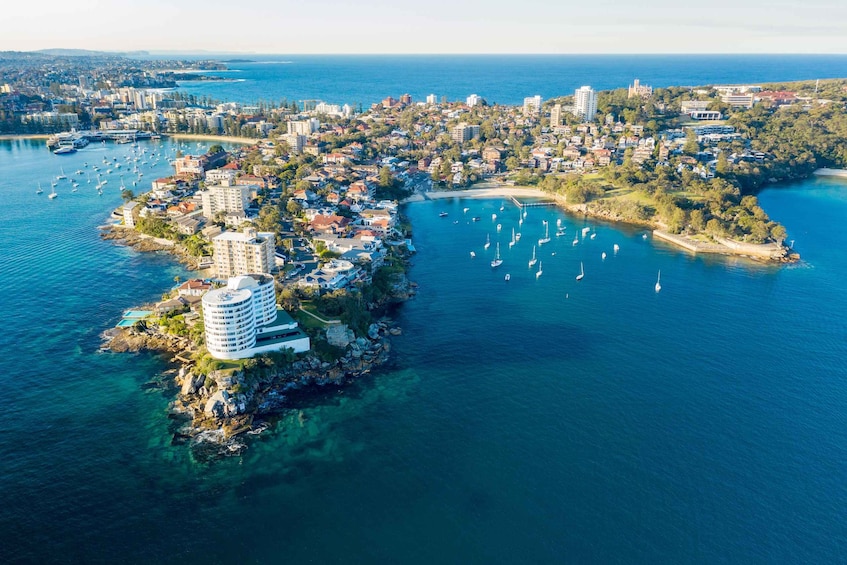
(691, 147)
(293, 207)
(722, 166)
(386, 180)
(697, 220)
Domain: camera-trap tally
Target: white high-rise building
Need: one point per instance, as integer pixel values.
(464, 132)
(295, 141)
(432, 99)
(228, 199)
(585, 103)
(241, 320)
(473, 100)
(304, 127)
(228, 321)
(532, 105)
(238, 253)
(556, 116)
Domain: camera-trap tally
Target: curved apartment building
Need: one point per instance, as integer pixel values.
(241, 320)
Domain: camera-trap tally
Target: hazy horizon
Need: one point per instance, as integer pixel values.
(437, 27)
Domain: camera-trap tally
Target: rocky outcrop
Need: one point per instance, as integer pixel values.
(339, 335)
(219, 409)
(141, 242)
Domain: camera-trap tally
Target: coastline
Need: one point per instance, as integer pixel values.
(478, 193)
(209, 137)
(16, 136)
(219, 408)
(765, 252)
(827, 172)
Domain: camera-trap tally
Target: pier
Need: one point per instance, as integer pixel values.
(535, 202)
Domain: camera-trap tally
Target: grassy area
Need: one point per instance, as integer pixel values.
(631, 195)
(231, 364)
(307, 322)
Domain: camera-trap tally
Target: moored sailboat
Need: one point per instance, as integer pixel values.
(497, 261)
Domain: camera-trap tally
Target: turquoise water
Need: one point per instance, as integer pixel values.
(502, 79)
(535, 421)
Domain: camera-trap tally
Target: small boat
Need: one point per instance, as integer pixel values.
(616, 248)
(493, 217)
(585, 232)
(546, 238)
(518, 236)
(79, 172)
(643, 236)
(593, 235)
(52, 194)
(502, 207)
(524, 212)
(559, 223)
(61, 175)
(581, 274)
(538, 272)
(64, 150)
(560, 232)
(476, 218)
(499, 227)
(442, 215)
(473, 254)
(533, 261)
(513, 241)
(575, 240)
(508, 277)
(40, 190)
(487, 242)
(465, 210)
(659, 281)
(455, 222)
(497, 261)
(603, 256)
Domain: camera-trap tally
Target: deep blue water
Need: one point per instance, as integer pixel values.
(539, 421)
(503, 79)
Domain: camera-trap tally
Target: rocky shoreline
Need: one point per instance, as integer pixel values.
(141, 242)
(762, 253)
(216, 413)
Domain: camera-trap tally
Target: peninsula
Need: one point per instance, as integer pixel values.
(302, 223)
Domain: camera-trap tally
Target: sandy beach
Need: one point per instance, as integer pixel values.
(493, 191)
(25, 136)
(825, 172)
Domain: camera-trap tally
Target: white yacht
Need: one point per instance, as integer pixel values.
(497, 261)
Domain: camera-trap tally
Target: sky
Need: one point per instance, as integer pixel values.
(429, 26)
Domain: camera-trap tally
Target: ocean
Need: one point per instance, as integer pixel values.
(501, 79)
(542, 420)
